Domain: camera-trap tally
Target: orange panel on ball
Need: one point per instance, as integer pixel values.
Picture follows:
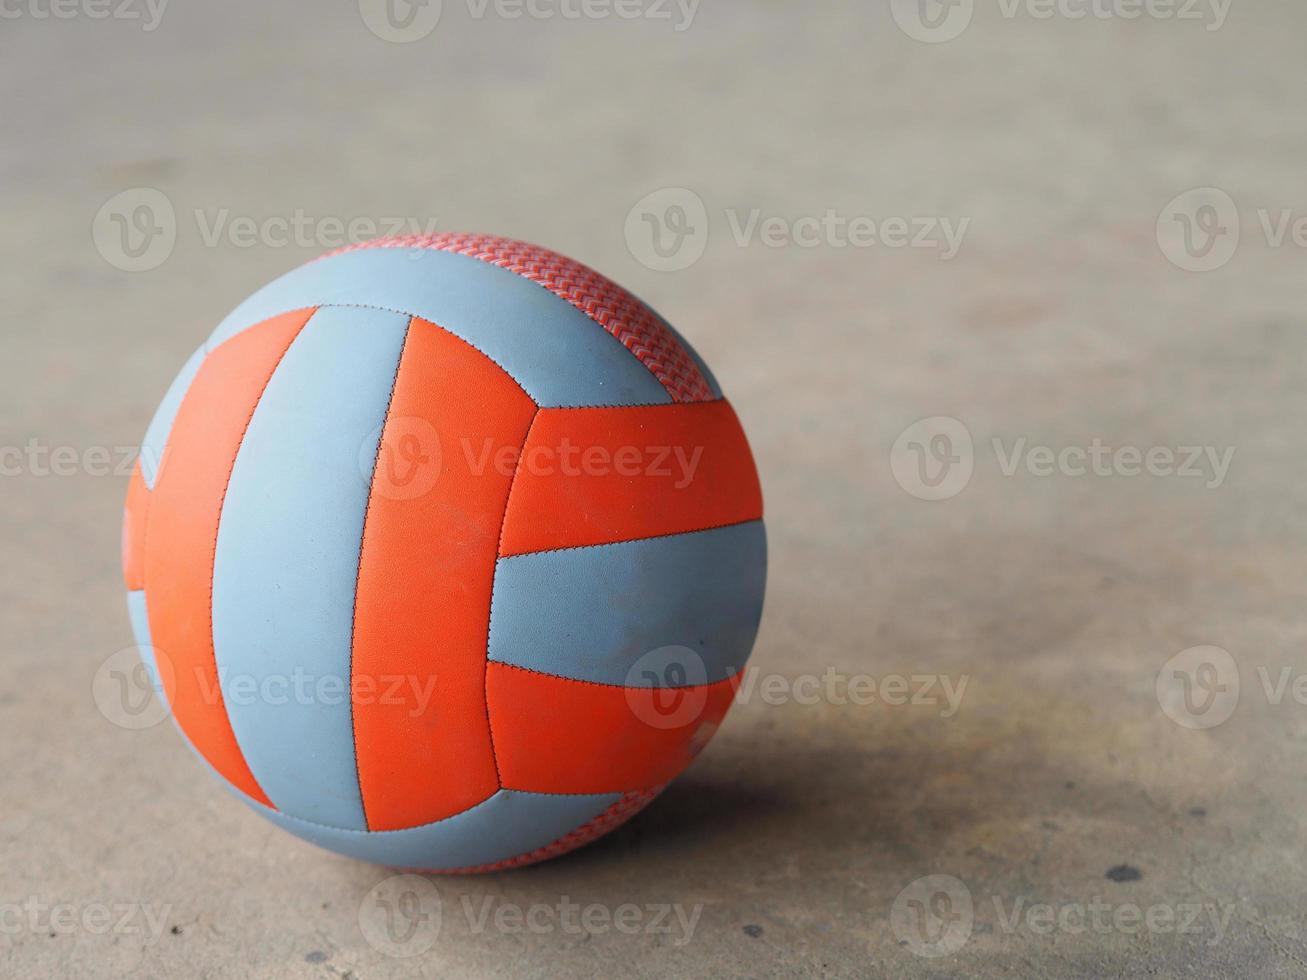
(556, 735)
(422, 609)
(600, 475)
(184, 511)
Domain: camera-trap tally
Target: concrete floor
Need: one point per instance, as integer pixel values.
(1079, 823)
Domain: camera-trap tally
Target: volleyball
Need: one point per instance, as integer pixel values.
(445, 553)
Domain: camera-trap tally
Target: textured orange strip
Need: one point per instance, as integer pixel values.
(183, 533)
(555, 735)
(601, 475)
(422, 610)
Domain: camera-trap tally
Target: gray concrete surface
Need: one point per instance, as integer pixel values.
(1057, 599)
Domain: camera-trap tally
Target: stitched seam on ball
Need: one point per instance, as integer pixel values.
(494, 576)
(615, 687)
(602, 408)
(222, 503)
(358, 571)
(616, 544)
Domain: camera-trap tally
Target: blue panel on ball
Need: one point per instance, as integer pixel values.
(556, 353)
(287, 561)
(592, 613)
